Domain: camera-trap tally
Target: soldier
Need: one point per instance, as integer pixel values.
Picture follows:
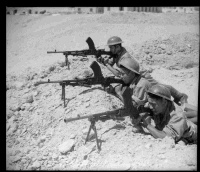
(167, 121)
(120, 54)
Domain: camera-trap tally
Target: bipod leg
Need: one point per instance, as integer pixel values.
(92, 126)
(88, 133)
(66, 61)
(63, 93)
(95, 132)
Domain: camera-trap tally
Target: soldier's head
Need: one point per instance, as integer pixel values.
(129, 68)
(114, 43)
(158, 98)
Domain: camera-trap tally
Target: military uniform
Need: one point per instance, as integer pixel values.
(171, 122)
(179, 127)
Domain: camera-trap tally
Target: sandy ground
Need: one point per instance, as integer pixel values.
(35, 130)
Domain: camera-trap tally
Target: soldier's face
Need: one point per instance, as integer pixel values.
(156, 105)
(114, 49)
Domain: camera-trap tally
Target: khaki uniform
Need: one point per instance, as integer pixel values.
(135, 94)
(179, 127)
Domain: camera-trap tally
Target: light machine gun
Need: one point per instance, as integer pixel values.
(87, 82)
(114, 115)
(91, 51)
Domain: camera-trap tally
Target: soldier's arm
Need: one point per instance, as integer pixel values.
(113, 70)
(146, 122)
(155, 132)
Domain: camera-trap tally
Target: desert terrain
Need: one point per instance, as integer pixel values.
(37, 138)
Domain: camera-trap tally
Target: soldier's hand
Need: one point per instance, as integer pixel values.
(106, 60)
(141, 116)
(100, 59)
(146, 120)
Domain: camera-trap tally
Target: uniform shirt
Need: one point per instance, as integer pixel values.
(139, 95)
(180, 127)
(122, 55)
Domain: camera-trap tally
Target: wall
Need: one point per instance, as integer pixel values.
(86, 9)
(180, 9)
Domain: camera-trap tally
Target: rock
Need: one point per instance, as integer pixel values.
(14, 128)
(9, 113)
(46, 153)
(147, 51)
(55, 156)
(62, 64)
(181, 50)
(35, 165)
(51, 68)
(87, 104)
(161, 156)
(190, 163)
(169, 52)
(25, 106)
(162, 46)
(35, 93)
(19, 85)
(72, 136)
(190, 75)
(29, 99)
(41, 139)
(66, 146)
(148, 145)
(43, 75)
(16, 159)
(15, 108)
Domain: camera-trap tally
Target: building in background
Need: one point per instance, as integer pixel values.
(86, 10)
(138, 9)
(96, 10)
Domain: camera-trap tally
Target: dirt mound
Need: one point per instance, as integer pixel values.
(149, 18)
(176, 52)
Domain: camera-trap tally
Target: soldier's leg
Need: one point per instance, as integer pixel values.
(124, 93)
(192, 116)
(179, 98)
(127, 93)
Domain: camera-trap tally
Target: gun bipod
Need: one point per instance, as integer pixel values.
(63, 92)
(92, 126)
(93, 120)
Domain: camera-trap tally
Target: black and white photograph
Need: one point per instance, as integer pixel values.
(102, 88)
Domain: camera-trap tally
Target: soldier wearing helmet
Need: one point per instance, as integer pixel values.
(128, 69)
(167, 121)
(115, 45)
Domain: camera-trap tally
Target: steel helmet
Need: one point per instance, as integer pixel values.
(114, 40)
(161, 91)
(130, 64)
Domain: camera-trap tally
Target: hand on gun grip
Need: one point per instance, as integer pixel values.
(105, 60)
(141, 117)
(146, 119)
(110, 89)
(100, 59)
